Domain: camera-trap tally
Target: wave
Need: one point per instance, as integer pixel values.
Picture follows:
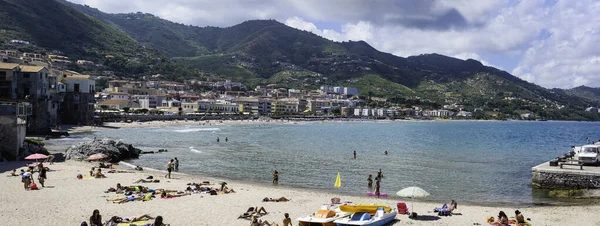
(126, 164)
(196, 130)
(195, 150)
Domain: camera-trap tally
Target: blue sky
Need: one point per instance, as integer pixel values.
(552, 43)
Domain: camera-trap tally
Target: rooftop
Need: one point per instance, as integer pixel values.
(111, 102)
(5, 66)
(78, 77)
(31, 69)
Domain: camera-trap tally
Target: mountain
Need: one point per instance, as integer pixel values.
(262, 52)
(586, 92)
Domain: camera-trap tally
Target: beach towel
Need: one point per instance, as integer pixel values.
(137, 223)
(380, 194)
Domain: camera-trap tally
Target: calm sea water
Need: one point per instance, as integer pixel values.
(480, 162)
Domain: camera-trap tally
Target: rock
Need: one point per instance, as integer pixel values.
(116, 150)
(32, 147)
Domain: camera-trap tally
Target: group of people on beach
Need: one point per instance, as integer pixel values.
(503, 220)
(27, 176)
(96, 220)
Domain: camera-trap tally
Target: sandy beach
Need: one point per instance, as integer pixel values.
(68, 201)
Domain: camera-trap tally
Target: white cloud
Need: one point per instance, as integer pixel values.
(570, 55)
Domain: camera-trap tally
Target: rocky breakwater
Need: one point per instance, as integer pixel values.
(116, 150)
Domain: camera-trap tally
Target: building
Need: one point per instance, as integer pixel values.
(13, 127)
(528, 116)
(284, 106)
(117, 96)
(77, 92)
(592, 109)
(32, 85)
(149, 101)
(317, 105)
(119, 104)
(218, 106)
(8, 80)
(255, 106)
(464, 114)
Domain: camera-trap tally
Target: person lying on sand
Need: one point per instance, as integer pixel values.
(282, 199)
(117, 220)
(146, 181)
(255, 222)
(252, 211)
(14, 173)
(165, 195)
(126, 199)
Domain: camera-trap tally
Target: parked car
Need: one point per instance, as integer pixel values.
(589, 154)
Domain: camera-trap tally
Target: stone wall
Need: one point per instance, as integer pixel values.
(9, 142)
(563, 180)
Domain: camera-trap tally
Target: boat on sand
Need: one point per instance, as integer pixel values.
(323, 217)
(379, 218)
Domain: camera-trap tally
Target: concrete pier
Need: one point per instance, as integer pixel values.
(569, 177)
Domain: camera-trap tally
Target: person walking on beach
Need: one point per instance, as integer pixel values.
(370, 181)
(275, 177)
(42, 175)
(176, 164)
(169, 169)
(354, 154)
(377, 186)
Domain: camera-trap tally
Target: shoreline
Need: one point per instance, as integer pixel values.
(565, 202)
(82, 196)
(74, 129)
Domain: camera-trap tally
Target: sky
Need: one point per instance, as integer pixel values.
(553, 43)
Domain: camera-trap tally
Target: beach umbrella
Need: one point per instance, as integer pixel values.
(97, 156)
(36, 157)
(338, 181)
(412, 192)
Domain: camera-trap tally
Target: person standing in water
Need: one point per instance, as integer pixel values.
(217, 139)
(275, 177)
(176, 164)
(370, 181)
(377, 186)
(354, 154)
(226, 139)
(385, 153)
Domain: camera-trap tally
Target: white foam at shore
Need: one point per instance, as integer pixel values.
(196, 130)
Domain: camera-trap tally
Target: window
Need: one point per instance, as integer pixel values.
(76, 88)
(2, 75)
(26, 75)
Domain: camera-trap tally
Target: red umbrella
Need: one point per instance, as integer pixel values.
(97, 157)
(36, 157)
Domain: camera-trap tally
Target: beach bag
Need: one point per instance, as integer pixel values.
(33, 186)
(84, 224)
(79, 176)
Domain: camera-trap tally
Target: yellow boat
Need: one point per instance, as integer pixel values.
(364, 208)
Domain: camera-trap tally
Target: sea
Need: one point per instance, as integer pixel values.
(483, 162)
